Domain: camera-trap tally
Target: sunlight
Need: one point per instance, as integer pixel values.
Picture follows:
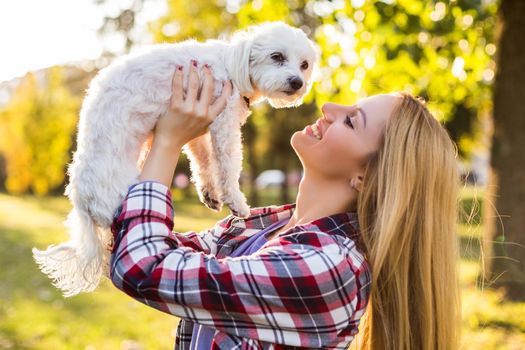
(45, 33)
(37, 34)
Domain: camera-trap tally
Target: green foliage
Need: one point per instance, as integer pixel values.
(36, 134)
(264, 10)
(196, 19)
(442, 50)
(439, 50)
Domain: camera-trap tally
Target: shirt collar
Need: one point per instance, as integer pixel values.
(344, 224)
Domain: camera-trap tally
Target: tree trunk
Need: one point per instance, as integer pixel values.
(3, 173)
(505, 229)
(249, 139)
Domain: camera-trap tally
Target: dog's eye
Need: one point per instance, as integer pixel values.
(277, 57)
(304, 65)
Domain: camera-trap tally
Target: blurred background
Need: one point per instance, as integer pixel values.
(466, 57)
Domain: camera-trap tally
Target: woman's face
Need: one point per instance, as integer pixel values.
(339, 144)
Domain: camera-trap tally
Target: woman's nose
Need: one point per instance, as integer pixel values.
(331, 111)
(328, 110)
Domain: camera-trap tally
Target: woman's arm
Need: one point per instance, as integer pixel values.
(161, 162)
(187, 117)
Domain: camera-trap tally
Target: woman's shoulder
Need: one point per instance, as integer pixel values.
(341, 249)
(336, 234)
(342, 228)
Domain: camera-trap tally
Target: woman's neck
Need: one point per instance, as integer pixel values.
(319, 197)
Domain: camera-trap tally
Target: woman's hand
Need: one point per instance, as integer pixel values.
(189, 116)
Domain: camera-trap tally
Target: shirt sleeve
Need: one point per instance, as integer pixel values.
(204, 241)
(291, 290)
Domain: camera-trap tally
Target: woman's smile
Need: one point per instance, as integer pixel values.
(314, 130)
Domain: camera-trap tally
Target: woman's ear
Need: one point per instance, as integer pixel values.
(357, 183)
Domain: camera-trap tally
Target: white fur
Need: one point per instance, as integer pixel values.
(119, 113)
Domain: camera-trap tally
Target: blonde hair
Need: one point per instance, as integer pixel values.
(407, 213)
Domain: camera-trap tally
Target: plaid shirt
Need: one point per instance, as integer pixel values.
(306, 288)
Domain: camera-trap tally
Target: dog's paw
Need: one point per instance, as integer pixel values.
(241, 210)
(210, 201)
(236, 201)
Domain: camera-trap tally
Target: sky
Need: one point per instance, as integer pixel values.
(35, 34)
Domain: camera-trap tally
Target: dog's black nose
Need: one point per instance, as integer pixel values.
(295, 83)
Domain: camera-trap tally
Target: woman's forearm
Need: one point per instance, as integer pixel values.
(161, 161)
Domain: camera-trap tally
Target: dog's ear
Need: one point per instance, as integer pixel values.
(238, 63)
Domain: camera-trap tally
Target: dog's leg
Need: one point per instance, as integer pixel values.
(227, 149)
(202, 169)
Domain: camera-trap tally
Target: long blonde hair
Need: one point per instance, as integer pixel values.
(407, 213)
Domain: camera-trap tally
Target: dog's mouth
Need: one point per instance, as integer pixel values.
(289, 92)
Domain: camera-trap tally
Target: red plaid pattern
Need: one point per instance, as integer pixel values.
(306, 288)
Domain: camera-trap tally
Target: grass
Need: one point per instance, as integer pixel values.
(33, 314)
(489, 323)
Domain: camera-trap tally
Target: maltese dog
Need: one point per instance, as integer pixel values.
(271, 61)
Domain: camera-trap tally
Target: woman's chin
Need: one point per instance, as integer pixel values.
(296, 139)
(300, 142)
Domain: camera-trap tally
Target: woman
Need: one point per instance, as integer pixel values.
(301, 275)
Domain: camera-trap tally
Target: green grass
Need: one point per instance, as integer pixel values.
(33, 314)
(489, 323)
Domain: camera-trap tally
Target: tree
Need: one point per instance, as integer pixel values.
(121, 24)
(505, 229)
(441, 50)
(36, 132)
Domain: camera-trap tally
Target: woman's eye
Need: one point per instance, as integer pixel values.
(348, 121)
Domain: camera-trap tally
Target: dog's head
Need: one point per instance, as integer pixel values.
(274, 61)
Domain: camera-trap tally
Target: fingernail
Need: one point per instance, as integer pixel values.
(207, 65)
(194, 63)
(179, 67)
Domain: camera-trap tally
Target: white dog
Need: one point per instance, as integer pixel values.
(271, 61)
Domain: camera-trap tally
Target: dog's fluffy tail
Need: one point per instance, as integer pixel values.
(77, 265)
